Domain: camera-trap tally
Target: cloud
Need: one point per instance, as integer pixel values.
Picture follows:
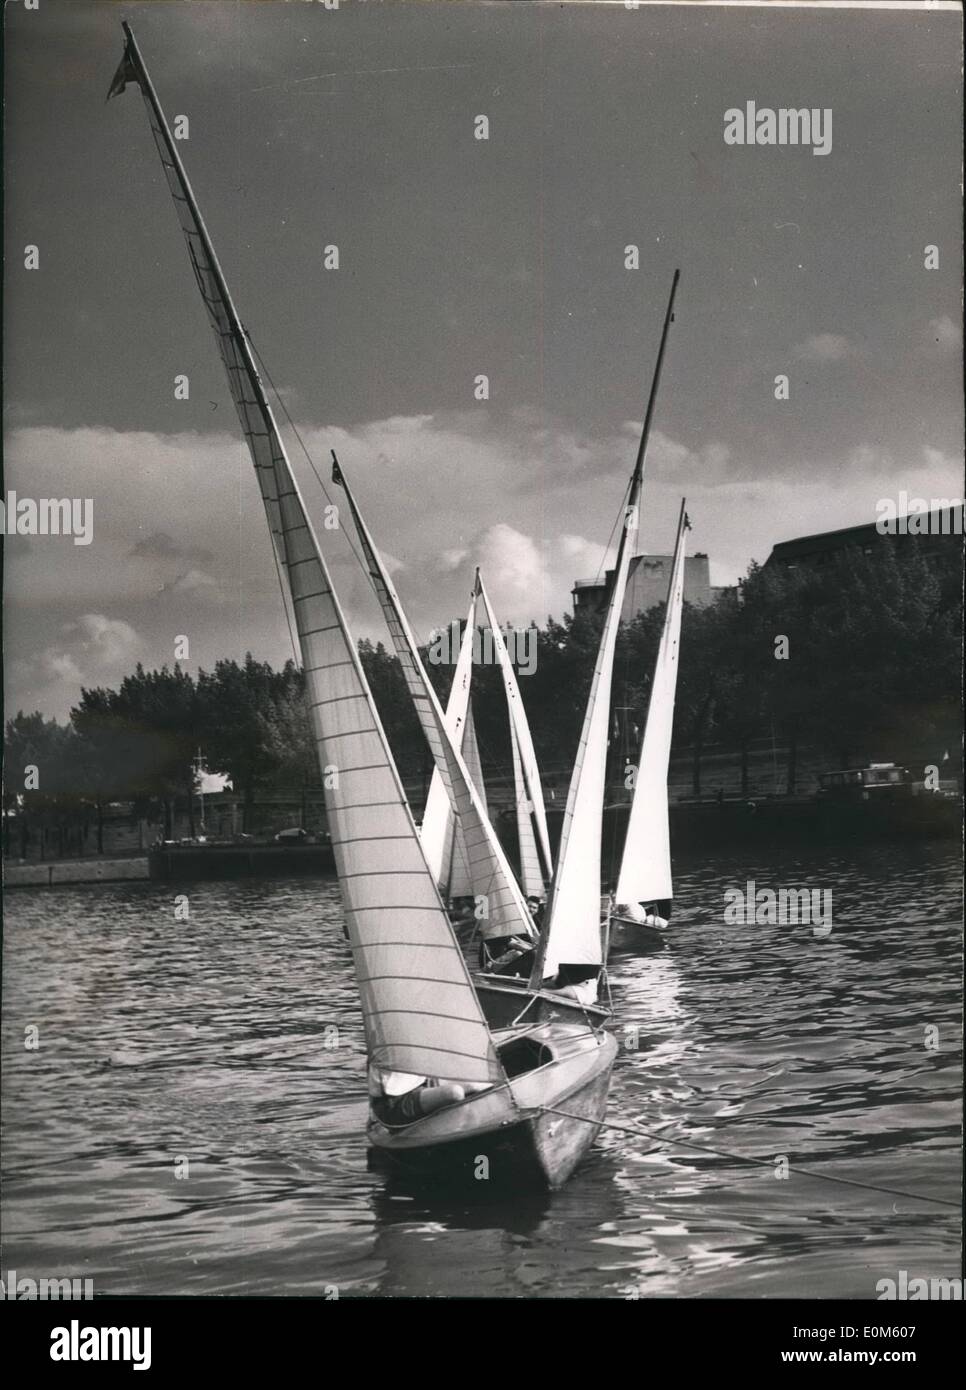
(101, 641)
(193, 581)
(92, 650)
(514, 569)
(823, 347)
(947, 335)
(530, 500)
(452, 559)
(160, 546)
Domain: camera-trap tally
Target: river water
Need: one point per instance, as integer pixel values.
(210, 1041)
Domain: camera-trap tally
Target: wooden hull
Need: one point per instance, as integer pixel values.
(508, 1001)
(628, 935)
(511, 1135)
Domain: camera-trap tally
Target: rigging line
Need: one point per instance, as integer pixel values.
(288, 620)
(744, 1158)
(311, 462)
(621, 511)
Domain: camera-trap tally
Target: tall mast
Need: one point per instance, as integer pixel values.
(247, 390)
(402, 942)
(572, 934)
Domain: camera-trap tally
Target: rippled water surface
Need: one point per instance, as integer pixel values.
(162, 1040)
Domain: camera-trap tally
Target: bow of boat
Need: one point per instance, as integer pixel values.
(535, 1127)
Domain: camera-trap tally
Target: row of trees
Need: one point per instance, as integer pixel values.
(859, 656)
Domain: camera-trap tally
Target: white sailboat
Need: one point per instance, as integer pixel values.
(447, 1087)
(536, 861)
(644, 892)
(502, 911)
(441, 832)
(570, 957)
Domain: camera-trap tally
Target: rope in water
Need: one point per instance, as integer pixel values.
(639, 1130)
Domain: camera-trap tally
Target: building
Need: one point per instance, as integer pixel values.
(935, 531)
(647, 585)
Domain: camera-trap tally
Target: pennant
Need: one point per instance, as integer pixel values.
(337, 477)
(687, 522)
(126, 73)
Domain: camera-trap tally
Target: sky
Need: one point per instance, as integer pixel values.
(458, 257)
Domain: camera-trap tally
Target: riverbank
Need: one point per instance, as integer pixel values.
(179, 863)
(48, 874)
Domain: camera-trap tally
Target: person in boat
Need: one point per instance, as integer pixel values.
(511, 955)
(461, 912)
(506, 955)
(655, 914)
(576, 982)
(399, 1097)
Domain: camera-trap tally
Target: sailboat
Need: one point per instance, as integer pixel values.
(570, 959)
(507, 1000)
(644, 892)
(530, 1098)
(536, 860)
(441, 831)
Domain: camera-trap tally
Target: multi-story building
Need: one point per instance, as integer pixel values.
(647, 585)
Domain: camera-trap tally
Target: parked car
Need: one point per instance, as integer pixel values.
(294, 835)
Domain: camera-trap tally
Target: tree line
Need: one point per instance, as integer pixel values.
(860, 655)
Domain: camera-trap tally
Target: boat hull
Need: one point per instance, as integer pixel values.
(513, 1134)
(504, 1000)
(627, 935)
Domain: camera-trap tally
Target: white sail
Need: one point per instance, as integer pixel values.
(460, 878)
(420, 1010)
(573, 929)
(531, 875)
(645, 872)
(439, 827)
(530, 792)
(492, 878)
(572, 935)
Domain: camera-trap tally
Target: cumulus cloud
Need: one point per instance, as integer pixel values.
(823, 347)
(530, 500)
(92, 650)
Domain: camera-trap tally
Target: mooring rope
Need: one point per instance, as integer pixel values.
(639, 1130)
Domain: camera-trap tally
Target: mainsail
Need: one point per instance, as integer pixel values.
(645, 872)
(536, 863)
(506, 913)
(572, 935)
(420, 1009)
(441, 833)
